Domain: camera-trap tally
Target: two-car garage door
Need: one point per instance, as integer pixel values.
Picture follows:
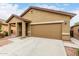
(47, 30)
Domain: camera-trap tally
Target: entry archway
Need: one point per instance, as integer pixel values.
(22, 25)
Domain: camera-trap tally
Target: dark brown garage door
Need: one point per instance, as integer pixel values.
(47, 31)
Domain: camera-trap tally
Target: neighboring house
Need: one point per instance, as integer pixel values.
(42, 22)
(4, 25)
(75, 30)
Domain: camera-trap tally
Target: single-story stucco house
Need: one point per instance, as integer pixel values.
(42, 22)
(75, 31)
(4, 26)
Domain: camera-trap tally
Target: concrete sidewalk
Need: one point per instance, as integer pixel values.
(33, 46)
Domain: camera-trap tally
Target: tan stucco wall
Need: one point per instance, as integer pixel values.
(43, 16)
(4, 28)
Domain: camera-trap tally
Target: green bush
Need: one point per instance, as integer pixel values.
(77, 51)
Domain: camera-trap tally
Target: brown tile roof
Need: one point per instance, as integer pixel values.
(20, 18)
(48, 10)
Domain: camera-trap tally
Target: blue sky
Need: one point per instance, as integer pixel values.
(18, 8)
(66, 6)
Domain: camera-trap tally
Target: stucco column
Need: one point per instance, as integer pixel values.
(17, 29)
(29, 29)
(23, 29)
(9, 29)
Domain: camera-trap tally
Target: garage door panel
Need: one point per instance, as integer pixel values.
(47, 31)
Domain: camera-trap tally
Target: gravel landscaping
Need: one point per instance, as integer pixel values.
(71, 51)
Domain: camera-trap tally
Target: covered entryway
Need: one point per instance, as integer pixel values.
(47, 30)
(21, 29)
(21, 26)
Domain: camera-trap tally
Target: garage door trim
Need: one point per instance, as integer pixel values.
(51, 22)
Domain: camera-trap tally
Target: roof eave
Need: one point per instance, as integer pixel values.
(49, 10)
(9, 18)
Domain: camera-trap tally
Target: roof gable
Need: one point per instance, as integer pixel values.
(20, 18)
(48, 10)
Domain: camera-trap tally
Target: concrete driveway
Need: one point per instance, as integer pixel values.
(33, 46)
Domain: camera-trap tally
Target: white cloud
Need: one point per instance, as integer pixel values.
(7, 9)
(76, 18)
(66, 4)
